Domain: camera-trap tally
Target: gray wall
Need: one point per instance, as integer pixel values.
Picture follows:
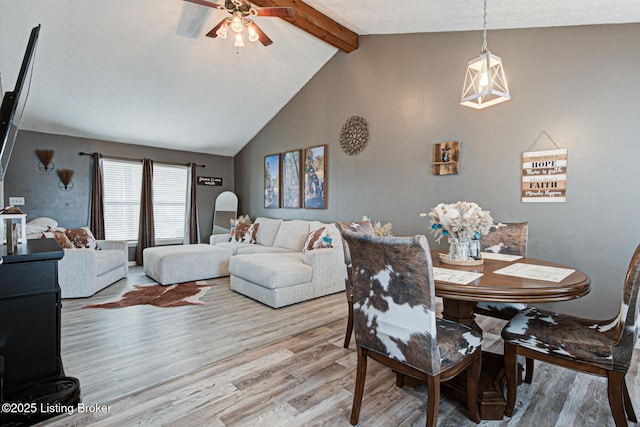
(579, 84)
(71, 208)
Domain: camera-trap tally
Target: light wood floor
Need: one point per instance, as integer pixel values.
(235, 362)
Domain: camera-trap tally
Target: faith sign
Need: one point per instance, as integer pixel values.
(544, 176)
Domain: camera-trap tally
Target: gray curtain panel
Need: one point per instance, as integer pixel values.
(97, 198)
(192, 208)
(146, 230)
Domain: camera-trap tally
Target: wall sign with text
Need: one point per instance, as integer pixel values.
(209, 180)
(544, 176)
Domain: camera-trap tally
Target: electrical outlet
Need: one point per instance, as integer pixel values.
(16, 201)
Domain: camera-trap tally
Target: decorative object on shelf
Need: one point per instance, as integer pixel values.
(65, 176)
(292, 179)
(446, 158)
(485, 83)
(354, 135)
(239, 21)
(13, 229)
(45, 157)
(460, 222)
(544, 173)
(315, 177)
(272, 181)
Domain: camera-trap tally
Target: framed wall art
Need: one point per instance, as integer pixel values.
(292, 179)
(272, 181)
(315, 177)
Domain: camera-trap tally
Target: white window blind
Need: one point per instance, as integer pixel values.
(122, 185)
(122, 188)
(169, 202)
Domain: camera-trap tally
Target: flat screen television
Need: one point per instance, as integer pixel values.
(13, 104)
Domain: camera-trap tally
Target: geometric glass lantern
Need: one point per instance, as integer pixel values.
(485, 83)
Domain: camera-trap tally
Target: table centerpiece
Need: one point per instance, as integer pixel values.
(462, 223)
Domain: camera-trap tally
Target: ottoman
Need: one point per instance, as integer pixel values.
(176, 264)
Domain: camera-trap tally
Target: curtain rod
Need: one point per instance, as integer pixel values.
(135, 160)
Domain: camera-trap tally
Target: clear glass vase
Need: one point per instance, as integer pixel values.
(459, 248)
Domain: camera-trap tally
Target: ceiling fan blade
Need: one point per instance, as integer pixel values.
(264, 39)
(281, 12)
(213, 31)
(206, 3)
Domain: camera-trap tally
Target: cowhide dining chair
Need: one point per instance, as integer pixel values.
(358, 227)
(395, 321)
(508, 239)
(602, 348)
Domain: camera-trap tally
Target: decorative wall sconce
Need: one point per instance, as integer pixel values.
(45, 157)
(65, 183)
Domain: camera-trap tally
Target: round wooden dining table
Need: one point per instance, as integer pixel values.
(459, 302)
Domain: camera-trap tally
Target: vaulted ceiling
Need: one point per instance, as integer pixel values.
(142, 71)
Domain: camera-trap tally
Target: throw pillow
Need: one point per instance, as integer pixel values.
(82, 238)
(41, 224)
(60, 237)
(245, 233)
(318, 239)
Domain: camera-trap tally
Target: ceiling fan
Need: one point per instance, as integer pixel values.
(240, 20)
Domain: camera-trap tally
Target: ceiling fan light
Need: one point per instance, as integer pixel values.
(222, 31)
(253, 34)
(239, 42)
(236, 23)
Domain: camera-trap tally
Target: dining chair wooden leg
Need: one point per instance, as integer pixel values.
(433, 402)
(347, 337)
(628, 406)
(511, 368)
(473, 379)
(361, 373)
(528, 374)
(615, 389)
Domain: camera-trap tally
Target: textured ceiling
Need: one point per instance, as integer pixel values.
(119, 70)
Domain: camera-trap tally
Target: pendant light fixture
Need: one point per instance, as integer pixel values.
(485, 83)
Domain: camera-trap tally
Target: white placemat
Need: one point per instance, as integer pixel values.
(454, 276)
(537, 272)
(500, 257)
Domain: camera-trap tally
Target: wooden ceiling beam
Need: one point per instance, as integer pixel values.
(315, 23)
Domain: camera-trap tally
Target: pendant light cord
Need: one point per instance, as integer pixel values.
(484, 29)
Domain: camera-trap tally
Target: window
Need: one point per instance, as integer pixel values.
(122, 188)
(169, 202)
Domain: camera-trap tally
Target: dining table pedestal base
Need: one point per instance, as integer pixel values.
(491, 390)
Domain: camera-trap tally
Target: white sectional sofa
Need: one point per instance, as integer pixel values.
(277, 271)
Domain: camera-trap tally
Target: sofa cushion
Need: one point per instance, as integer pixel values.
(244, 233)
(234, 246)
(60, 237)
(275, 270)
(82, 238)
(259, 249)
(108, 259)
(332, 231)
(292, 234)
(267, 231)
(317, 239)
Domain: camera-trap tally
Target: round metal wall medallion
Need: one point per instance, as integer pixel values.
(354, 135)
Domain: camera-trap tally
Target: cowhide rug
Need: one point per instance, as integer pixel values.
(188, 293)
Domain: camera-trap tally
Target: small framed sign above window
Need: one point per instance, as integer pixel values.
(209, 180)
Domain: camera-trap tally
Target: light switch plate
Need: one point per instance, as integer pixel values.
(16, 201)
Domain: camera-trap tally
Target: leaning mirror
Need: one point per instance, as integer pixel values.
(225, 211)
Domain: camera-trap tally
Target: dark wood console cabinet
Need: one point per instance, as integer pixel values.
(30, 315)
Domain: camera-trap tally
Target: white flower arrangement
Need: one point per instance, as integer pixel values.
(461, 220)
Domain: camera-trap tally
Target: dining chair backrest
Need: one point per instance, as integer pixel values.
(627, 320)
(506, 238)
(358, 227)
(394, 298)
